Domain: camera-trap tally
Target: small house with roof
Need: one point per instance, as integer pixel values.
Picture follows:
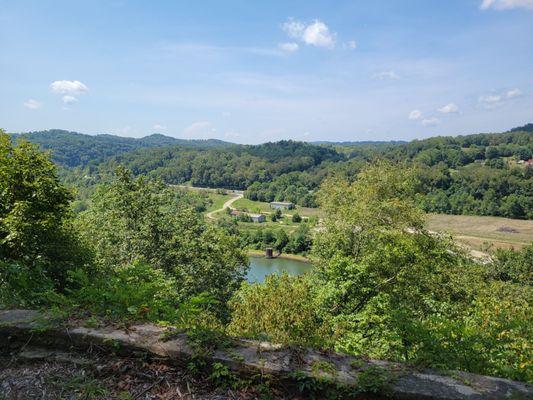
(257, 217)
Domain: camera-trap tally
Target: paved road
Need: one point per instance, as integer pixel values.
(236, 196)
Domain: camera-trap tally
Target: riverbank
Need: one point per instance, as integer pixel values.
(286, 256)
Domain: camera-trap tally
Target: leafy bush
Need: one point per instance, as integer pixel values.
(24, 285)
(135, 291)
(514, 266)
(281, 309)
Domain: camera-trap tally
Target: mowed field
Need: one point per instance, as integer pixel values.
(479, 233)
(483, 233)
(262, 207)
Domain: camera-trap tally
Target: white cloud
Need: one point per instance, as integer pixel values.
(293, 28)
(385, 75)
(415, 115)
(199, 129)
(450, 108)
(506, 4)
(68, 87)
(513, 93)
(430, 121)
(499, 98)
(160, 127)
(67, 99)
(315, 34)
(32, 104)
(289, 47)
(491, 98)
(352, 44)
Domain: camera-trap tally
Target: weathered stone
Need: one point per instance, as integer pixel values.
(39, 353)
(252, 357)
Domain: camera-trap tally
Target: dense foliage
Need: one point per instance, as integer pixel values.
(385, 287)
(135, 220)
(38, 245)
(137, 236)
(482, 174)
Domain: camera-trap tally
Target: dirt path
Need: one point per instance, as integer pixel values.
(236, 196)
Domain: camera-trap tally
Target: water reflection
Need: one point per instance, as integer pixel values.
(260, 267)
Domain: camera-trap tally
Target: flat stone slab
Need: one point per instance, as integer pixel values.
(253, 357)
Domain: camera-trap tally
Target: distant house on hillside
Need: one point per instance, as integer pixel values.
(529, 162)
(234, 213)
(282, 205)
(257, 217)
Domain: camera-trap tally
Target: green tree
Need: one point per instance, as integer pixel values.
(382, 273)
(296, 218)
(137, 220)
(36, 233)
(281, 240)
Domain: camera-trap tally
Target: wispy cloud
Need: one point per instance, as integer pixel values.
(67, 99)
(290, 47)
(386, 75)
(430, 121)
(506, 4)
(497, 99)
(210, 49)
(450, 108)
(159, 127)
(513, 93)
(32, 104)
(415, 115)
(351, 44)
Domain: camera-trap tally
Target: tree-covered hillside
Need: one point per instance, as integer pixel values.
(74, 149)
(481, 174)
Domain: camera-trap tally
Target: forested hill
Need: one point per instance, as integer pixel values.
(74, 149)
(235, 167)
(481, 174)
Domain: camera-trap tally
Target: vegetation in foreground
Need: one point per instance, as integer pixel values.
(384, 286)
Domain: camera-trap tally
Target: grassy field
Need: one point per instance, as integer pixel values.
(262, 207)
(218, 201)
(480, 233)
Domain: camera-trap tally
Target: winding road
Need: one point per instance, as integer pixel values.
(236, 196)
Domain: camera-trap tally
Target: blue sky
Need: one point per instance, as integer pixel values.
(249, 71)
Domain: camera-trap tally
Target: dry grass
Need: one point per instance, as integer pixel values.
(482, 232)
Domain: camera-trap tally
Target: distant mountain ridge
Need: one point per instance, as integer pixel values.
(74, 149)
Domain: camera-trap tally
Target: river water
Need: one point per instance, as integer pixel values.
(260, 267)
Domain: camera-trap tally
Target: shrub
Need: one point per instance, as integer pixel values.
(281, 309)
